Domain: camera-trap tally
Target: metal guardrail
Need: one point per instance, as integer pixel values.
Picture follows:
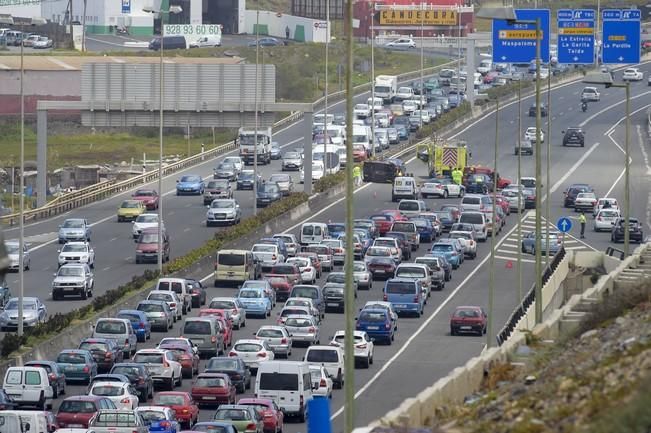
(610, 251)
(528, 300)
(106, 189)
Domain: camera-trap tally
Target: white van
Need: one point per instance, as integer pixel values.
(207, 41)
(332, 358)
(362, 135)
(313, 233)
(180, 287)
(410, 208)
(29, 386)
(376, 104)
(404, 187)
(25, 421)
(288, 383)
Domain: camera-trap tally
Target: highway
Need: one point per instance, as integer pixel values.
(408, 366)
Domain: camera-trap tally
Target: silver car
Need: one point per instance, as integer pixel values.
(278, 338)
(34, 312)
(223, 210)
(284, 182)
(74, 229)
(13, 250)
(225, 170)
(158, 313)
(362, 275)
(238, 314)
(73, 279)
(303, 329)
(292, 161)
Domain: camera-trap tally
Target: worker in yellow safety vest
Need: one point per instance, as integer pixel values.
(457, 176)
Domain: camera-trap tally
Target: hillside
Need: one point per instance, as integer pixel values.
(597, 381)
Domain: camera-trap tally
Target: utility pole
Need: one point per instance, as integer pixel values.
(83, 29)
(255, 136)
(538, 240)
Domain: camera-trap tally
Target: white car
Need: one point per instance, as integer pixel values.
(590, 94)
(468, 242)
(612, 202)
(382, 120)
(238, 315)
(605, 219)
(302, 302)
(162, 366)
(122, 394)
(321, 381)
(440, 189)
(362, 111)
(585, 201)
(142, 222)
(42, 43)
(77, 252)
(514, 198)
(404, 93)
(402, 43)
(364, 347)
(308, 273)
(409, 106)
(530, 134)
(171, 298)
(13, 250)
(318, 171)
(252, 352)
(236, 161)
(633, 74)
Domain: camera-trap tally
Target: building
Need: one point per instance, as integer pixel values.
(409, 17)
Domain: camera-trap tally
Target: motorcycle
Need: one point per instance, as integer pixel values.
(584, 106)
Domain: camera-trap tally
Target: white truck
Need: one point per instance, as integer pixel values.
(386, 87)
(246, 142)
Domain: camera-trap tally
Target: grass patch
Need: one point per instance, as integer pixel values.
(631, 415)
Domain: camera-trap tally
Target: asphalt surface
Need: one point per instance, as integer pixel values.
(423, 351)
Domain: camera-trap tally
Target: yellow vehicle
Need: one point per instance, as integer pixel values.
(130, 209)
(443, 156)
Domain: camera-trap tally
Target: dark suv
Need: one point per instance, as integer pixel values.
(572, 191)
(574, 135)
(634, 230)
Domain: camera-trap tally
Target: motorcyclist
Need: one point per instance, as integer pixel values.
(584, 104)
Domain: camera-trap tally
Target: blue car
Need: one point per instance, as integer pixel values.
(190, 184)
(405, 295)
(377, 323)
(448, 251)
(403, 133)
(159, 419)
(139, 322)
(255, 302)
(336, 230)
(425, 229)
(78, 365)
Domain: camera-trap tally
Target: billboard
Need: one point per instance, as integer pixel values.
(416, 17)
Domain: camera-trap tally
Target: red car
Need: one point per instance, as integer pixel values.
(76, 411)
(383, 223)
(217, 312)
(272, 417)
(227, 327)
(213, 389)
(468, 319)
(501, 200)
(148, 197)
(187, 411)
(186, 357)
(396, 214)
(281, 284)
(359, 153)
(290, 269)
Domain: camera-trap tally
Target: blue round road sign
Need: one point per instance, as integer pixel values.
(564, 224)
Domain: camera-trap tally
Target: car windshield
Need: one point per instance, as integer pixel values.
(248, 347)
(318, 356)
(66, 271)
(73, 224)
(110, 327)
(226, 166)
(270, 333)
(210, 382)
(190, 179)
(11, 248)
(131, 204)
(467, 312)
(94, 346)
(147, 219)
(169, 400)
(151, 308)
(249, 294)
(73, 406)
(197, 327)
(359, 267)
(232, 414)
(298, 322)
(152, 415)
(400, 287)
(292, 155)
(410, 272)
(372, 316)
(13, 305)
(71, 358)
(222, 204)
(143, 193)
(222, 305)
(218, 184)
(279, 178)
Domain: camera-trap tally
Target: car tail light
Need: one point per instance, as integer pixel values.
(141, 325)
(237, 376)
(108, 355)
(361, 346)
(311, 329)
(213, 339)
(386, 326)
(173, 305)
(385, 298)
(416, 299)
(234, 311)
(51, 376)
(273, 257)
(323, 383)
(141, 380)
(186, 411)
(250, 426)
(124, 400)
(126, 342)
(262, 354)
(165, 424)
(86, 369)
(283, 341)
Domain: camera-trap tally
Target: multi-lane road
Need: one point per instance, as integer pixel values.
(424, 351)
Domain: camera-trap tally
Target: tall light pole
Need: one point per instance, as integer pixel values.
(549, 158)
(519, 257)
(255, 135)
(327, 46)
(607, 80)
(491, 275)
(539, 310)
(422, 61)
(373, 79)
(161, 93)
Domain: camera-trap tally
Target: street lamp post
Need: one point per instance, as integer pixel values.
(327, 46)
(491, 275)
(549, 150)
(519, 257)
(255, 135)
(421, 106)
(161, 89)
(373, 80)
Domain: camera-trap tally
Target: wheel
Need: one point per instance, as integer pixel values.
(84, 294)
(452, 332)
(171, 384)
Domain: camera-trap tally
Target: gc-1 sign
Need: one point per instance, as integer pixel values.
(193, 30)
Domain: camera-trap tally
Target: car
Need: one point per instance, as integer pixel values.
(236, 161)
(139, 377)
(190, 184)
(308, 272)
(130, 209)
(162, 365)
(573, 135)
(585, 201)
(284, 182)
(105, 352)
(147, 245)
(291, 161)
(223, 211)
(272, 416)
(197, 291)
(220, 188)
(244, 418)
(441, 188)
(362, 275)
(74, 229)
(55, 375)
(524, 147)
(264, 285)
(605, 219)
(238, 313)
(278, 339)
(572, 191)
(267, 194)
(34, 313)
(255, 302)
(605, 203)
(468, 319)
(74, 279)
(225, 170)
(234, 367)
(331, 357)
(159, 419)
(158, 313)
(304, 328)
(448, 251)
(78, 365)
(635, 233)
(43, 42)
(171, 298)
(252, 352)
(266, 42)
(275, 150)
(530, 135)
(142, 222)
(590, 94)
(213, 389)
(246, 179)
(528, 244)
(377, 323)
(13, 250)
(78, 410)
(187, 411)
(322, 383)
(632, 74)
(123, 395)
(148, 197)
(186, 356)
(401, 43)
(467, 239)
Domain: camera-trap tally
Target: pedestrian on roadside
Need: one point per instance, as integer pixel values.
(582, 222)
(287, 32)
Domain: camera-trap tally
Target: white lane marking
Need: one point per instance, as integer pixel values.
(106, 268)
(60, 63)
(515, 259)
(112, 239)
(612, 187)
(574, 167)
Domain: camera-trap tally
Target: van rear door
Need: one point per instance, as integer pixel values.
(283, 388)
